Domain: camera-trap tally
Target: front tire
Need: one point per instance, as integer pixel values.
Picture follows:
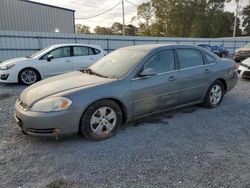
(28, 76)
(101, 120)
(214, 94)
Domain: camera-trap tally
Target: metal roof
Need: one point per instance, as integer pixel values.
(52, 6)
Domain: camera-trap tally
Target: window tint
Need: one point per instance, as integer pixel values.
(96, 51)
(189, 58)
(80, 50)
(161, 62)
(59, 53)
(83, 51)
(209, 58)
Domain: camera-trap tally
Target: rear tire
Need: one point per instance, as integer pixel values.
(28, 76)
(214, 94)
(101, 120)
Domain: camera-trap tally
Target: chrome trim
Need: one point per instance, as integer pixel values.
(197, 66)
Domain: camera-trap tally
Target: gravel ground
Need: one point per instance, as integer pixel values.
(191, 147)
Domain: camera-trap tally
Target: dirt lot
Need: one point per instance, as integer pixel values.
(191, 147)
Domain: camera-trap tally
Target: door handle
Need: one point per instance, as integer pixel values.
(207, 71)
(172, 78)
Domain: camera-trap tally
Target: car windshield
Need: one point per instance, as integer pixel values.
(118, 63)
(247, 45)
(34, 55)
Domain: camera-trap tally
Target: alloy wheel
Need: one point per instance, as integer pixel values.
(215, 94)
(103, 121)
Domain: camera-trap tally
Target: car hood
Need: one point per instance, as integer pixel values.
(246, 62)
(243, 49)
(58, 84)
(15, 60)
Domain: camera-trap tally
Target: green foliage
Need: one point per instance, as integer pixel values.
(185, 18)
(103, 30)
(82, 29)
(246, 20)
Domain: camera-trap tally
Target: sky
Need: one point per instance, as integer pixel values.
(89, 8)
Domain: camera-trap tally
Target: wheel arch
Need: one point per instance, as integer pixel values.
(224, 83)
(118, 102)
(39, 74)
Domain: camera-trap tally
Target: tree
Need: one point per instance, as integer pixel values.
(82, 29)
(185, 18)
(103, 30)
(130, 30)
(145, 12)
(116, 28)
(246, 20)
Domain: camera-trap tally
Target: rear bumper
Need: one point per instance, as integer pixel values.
(232, 82)
(47, 124)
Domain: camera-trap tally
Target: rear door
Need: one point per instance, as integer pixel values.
(192, 75)
(59, 64)
(84, 56)
(159, 91)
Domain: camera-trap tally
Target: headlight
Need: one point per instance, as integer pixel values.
(53, 104)
(6, 67)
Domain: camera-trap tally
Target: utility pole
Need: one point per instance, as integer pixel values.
(123, 19)
(236, 16)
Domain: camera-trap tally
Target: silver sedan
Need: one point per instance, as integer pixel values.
(127, 84)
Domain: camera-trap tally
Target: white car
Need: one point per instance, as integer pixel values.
(51, 61)
(244, 68)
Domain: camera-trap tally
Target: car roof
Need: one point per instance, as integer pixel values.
(150, 47)
(74, 44)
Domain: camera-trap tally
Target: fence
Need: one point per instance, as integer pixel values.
(17, 44)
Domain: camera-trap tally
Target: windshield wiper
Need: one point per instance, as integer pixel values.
(90, 71)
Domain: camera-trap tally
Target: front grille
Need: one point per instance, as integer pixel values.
(22, 104)
(246, 74)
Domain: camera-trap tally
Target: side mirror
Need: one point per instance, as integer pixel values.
(50, 56)
(148, 72)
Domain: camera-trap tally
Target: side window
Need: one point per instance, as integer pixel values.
(59, 53)
(80, 51)
(210, 59)
(161, 62)
(189, 58)
(96, 51)
(91, 51)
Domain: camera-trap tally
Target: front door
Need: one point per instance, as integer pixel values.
(159, 91)
(60, 63)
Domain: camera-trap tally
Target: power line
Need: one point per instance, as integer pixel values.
(100, 13)
(131, 3)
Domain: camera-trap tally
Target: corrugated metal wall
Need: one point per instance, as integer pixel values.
(17, 44)
(19, 15)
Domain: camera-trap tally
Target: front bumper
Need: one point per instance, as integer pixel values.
(244, 72)
(240, 57)
(8, 77)
(47, 124)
